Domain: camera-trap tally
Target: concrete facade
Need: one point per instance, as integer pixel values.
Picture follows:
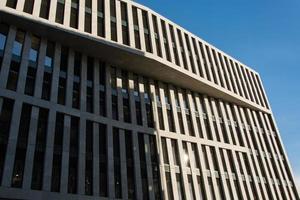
(107, 99)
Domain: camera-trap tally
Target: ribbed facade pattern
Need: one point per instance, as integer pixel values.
(76, 126)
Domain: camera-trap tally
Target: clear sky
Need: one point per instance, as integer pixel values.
(263, 34)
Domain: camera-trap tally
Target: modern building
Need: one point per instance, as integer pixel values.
(107, 99)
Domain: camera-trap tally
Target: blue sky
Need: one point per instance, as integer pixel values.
(263, 34)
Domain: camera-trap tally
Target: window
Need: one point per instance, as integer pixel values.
(74, 14)
(136, 28)
(88, 16)
(13, 75)
(156, 36)
(100, 19)
(60, 11)
(73, 156)
(46, 92)
(45, 6)
(103, 160)
(113, 20)
(39, 153)
(174, 45)
(130, 165)
(90, 85)
(89, 158)
(48, 63)
(117, 164)
(12, 3)
(165, 151)
(124, 14)
(182, 50)
(165, 38)
(28, 6)
(3, 35)
(18, 170)
(146, 32)
(57, 153)
(62, 83)
(114, 100)
(143, 166)
(34, 51)
(30, 81)
(191, 58)
(5, 122)
(76, 81)
(18, 43)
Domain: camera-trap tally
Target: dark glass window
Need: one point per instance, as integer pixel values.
(146, 32)
(124, 18)
(182, 50)
(74, 14)
(138, 110)
(191, 58)
(28, 6)
(156, 35)
(76, 82)
(155, 167)
(117, 165)
(114, 100)
(100, 19)
(60, 11)
(130, 165)
(45, 7)
(57, 154)
(113, 20)
(40, 148)
(174, 45)
(18, 171)
(136, 28)
(5, 120)
(13, 75)
(12, 3)
(103, 160)
(3, 36)
(30, 81)
(62, 83)
(90, 84)
(73, 156)
(18, 44)
(48, 63)
(46, 92)
(88, 16)
(143, 166)
(89, 159)
(165, 38)
(34, 51)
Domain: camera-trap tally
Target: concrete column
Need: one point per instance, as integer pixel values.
(52, 10)
(81, 16)
(83, 83)
(131, 98)
(201, 60)
(49, 150)
(209, 118)
(174, 108)
(251, 147)
(123, 162)
(226, 73)
(82, 156)
(161, 38)
(177, 44)
(149, 167)
(214, 67)
(40, 69)
(12, 142)
(163, 105)
(107, 19)
(151, 32)
(96, 163)
(96, 87)
(67, 12)
(56, 71)
(172, 168)
(220, 68)
(242, 81)
(248, 83)
(65, 155)
(142, 98)
(199, 108)
(167, 27)
(225, 121)
(119, 22)
(29, 161)
(137, 166)
(141, 28)
(192, 113)
(194, 56)
(233, 124)
(238, 78)
(94, 18)
(255, 88)
(266, 150)
(130, 25)
(70, 74)
(215, 113)
(24, 64)
(20, 5)
(185, 51)
(7, 56)
(36, 8)
(183, 112)
(110, 162)
(209, 65)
